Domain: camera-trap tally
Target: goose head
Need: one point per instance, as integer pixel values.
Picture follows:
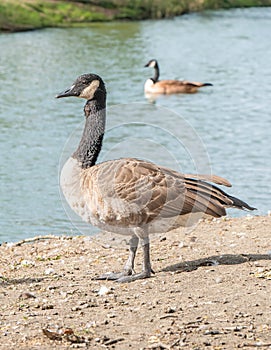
(88, 86)
(152, 64)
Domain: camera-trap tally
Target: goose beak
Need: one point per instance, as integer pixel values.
(67, 93)
(147, 65)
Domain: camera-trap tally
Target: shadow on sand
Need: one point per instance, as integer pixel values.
(226, 259)
(26, 280)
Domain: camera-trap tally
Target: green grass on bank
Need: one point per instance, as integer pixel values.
(24, 15)
(17, 15)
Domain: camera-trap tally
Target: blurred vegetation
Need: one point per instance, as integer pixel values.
(18, 15)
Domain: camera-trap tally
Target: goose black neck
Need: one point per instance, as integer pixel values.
(92, 137)
(156, 73)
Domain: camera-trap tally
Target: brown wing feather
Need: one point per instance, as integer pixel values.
(212, 178)
(135, 192)
(208, 190)
(198, 202)
(171, 82)
(131, 190)
(201, 196)
(175, 86)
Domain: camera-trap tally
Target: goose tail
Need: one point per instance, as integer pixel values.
(207, 84)
(238, 203)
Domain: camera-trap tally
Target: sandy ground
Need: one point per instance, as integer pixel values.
(211, 290)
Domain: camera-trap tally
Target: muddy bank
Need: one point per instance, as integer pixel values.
(211, 289)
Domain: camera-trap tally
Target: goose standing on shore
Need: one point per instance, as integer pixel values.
(156, 86)
(130, 196)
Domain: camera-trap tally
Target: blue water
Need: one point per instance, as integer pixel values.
(224, 129)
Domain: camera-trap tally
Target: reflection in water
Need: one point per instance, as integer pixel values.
(228, 48)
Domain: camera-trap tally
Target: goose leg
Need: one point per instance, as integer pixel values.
(146, 269)
(128, 267)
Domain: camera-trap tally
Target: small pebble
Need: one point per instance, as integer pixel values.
(27, 295)
(103, 291)
(49, 271)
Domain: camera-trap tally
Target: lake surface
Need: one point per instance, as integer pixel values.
(224, 129)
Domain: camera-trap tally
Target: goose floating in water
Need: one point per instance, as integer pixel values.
(129, 196)
(156, 86)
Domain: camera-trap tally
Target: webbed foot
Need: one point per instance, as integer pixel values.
(114, 276)
(135, 277)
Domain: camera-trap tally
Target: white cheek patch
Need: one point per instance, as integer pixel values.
(152, 64)
(89, 91)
